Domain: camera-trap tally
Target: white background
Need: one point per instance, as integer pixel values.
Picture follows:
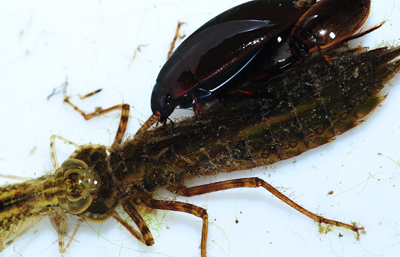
(91, 44)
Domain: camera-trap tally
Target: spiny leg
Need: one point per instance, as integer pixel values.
(257, 182)
(73, 234)
(127, 226)
(90, 94)
(172, 46)
(16, 177)
(150, 122)
(125, 111)
(137, 218)
(122, 124)
(187, 208)
(53, 148)
(146, 236)
(59, 221)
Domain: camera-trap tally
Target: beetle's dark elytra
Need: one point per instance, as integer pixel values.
(225, 47)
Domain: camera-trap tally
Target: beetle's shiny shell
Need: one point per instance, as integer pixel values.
(213, 56)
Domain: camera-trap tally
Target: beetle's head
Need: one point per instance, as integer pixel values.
(302, 42)
(297, 47)
(162, 103)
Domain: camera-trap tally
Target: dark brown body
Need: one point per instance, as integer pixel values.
(294, 112)
(327, 23)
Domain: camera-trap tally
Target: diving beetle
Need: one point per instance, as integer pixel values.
(326, 24)
(226, 47)
(238, 42)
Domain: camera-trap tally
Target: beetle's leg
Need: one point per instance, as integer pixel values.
(172, 123)
(242, 92)
(177, 35)
(361, 34)
(187, 208)
(323, 55)
(257, 182)
(197, 107)
(351, 38)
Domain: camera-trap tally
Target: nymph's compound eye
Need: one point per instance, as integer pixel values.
(80, 185)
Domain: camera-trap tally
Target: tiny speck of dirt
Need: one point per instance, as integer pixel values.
(340, 235)
(33, 150)
(236, 221)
